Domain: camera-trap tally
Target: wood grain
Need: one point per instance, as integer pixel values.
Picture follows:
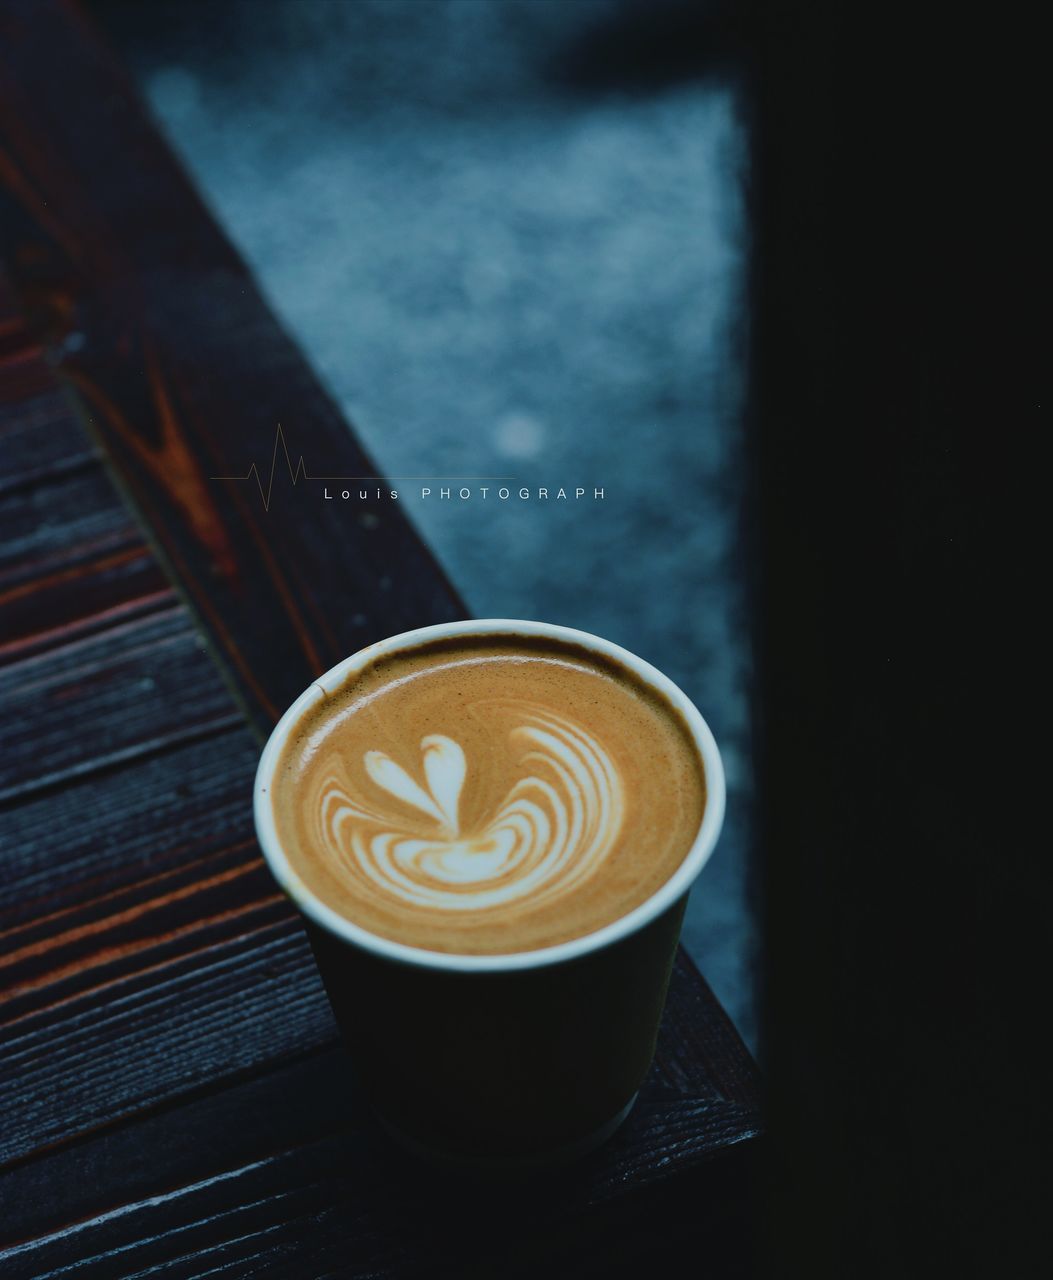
(297, 1181)
(133, 690)
(40, 439)
(96, 836)
(81, 598)
(66, 520)
(184, 374)
(72, 560)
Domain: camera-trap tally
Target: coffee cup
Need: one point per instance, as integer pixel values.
(512, 1060)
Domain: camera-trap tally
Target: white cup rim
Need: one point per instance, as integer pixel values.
(338, 925)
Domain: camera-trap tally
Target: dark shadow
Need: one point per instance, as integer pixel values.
(642, 46)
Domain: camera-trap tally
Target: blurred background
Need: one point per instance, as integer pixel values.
(511, 237)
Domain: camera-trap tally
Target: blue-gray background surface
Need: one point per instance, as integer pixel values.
(501, 267)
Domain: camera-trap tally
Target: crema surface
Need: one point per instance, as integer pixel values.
(487, 795)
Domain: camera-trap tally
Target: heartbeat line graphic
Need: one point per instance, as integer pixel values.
(300, 472)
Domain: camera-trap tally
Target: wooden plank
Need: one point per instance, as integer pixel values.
(315, 1209)
(80, 599)
(144, 948)
(699, 1052)
(136, 688)
(26, 374)
(85, 955)
(223, 1006)
(39, 433)
(97, 836)
(67, 521)
(39, 438)
(184, 375)
(72, 560)
(294, 1152)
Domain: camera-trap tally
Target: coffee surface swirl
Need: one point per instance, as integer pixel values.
(490, 794)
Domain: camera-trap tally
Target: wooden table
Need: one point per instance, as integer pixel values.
(173, 1096)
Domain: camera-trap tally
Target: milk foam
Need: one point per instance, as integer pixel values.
(557, 823)
(488, 794)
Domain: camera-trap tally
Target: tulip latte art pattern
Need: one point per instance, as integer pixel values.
(553, 829)
(488, 795)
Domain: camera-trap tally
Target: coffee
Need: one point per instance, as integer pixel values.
(488, 794)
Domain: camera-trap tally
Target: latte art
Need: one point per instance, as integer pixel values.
(488, 794)
(555, 826)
